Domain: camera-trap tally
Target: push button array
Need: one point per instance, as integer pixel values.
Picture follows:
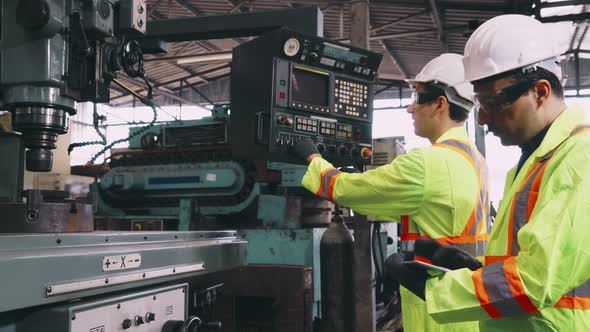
(351, 98)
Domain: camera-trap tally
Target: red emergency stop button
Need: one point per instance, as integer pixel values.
(366, 153)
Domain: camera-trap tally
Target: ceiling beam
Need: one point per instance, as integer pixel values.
(391, 53)
(582, 37)
(436, 19)
(163, 84)
(448, 5)
(158, 90)
(198, 92)
(398, 21)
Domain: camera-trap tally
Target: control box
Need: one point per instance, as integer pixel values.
(143, 311)
(286, 86)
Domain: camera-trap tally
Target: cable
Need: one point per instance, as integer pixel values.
(375, 261)
(147, 101)
(95, 120)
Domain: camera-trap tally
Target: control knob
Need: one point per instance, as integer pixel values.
(138, 320)
(150, 317)
(127, 323)
(343, 151)
(321, 147)
(191, 324)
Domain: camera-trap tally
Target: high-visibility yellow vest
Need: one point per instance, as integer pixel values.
(442, 192)
(537, 260)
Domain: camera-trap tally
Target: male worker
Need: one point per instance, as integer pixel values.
(537, 264)
(439, 192)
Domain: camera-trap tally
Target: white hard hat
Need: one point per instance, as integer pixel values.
(508, 42)
(447, 70)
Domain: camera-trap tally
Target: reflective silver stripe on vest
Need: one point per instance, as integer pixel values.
(483, 201)
(326, 182)
(478, 247)
(582, 290)
(498, 289)
(520, 207)
(407, 245)
(522, 197)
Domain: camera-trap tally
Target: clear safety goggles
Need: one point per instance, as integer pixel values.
(502, 99)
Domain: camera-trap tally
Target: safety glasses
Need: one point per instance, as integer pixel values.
(425, 97)
(502, 99)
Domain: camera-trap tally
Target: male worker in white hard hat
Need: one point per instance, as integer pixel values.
(439, 192)
(537, 264)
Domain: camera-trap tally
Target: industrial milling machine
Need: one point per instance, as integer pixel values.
(58, 274)
(234, 169)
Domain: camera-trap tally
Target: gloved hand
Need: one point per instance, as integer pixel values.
(414, 279)
(446, 256)
(305, 148)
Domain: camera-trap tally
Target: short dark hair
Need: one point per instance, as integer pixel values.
(456, 113)
(533, 75)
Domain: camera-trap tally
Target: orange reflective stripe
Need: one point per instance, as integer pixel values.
(405, 224)
(533, 194)
(482, 295)
(473, 219)
(322, 175)
(406, 235)
(516, 286)
(331, 188)
(422, 259)
(470, 238)
(410, 236)
(573, 302)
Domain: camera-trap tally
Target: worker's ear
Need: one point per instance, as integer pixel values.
(440, 104)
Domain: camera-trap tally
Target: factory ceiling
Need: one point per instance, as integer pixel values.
(408, 33)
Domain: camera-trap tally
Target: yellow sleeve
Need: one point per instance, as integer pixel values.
(388, 191)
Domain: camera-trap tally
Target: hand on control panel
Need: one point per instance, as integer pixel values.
(305, 149)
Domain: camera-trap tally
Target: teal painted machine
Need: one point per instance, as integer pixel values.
(188, 185)
(155, 185)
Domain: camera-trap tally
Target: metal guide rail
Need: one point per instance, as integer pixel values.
(47, 268)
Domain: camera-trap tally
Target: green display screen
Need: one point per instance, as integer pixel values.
(342, 53)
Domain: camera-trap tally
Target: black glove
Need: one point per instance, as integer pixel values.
(304, 148)
(446, 256)
(414, 279)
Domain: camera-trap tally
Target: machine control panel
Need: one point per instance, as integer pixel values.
(147, 313)
(294, 86)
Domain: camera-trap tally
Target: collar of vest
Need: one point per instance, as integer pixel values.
(458, 133)
(560, 130)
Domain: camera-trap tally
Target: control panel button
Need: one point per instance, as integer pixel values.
(127, 323)
(150, 317)
(138, 320)
(366, 153)
(321, 147)
(342, 151)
